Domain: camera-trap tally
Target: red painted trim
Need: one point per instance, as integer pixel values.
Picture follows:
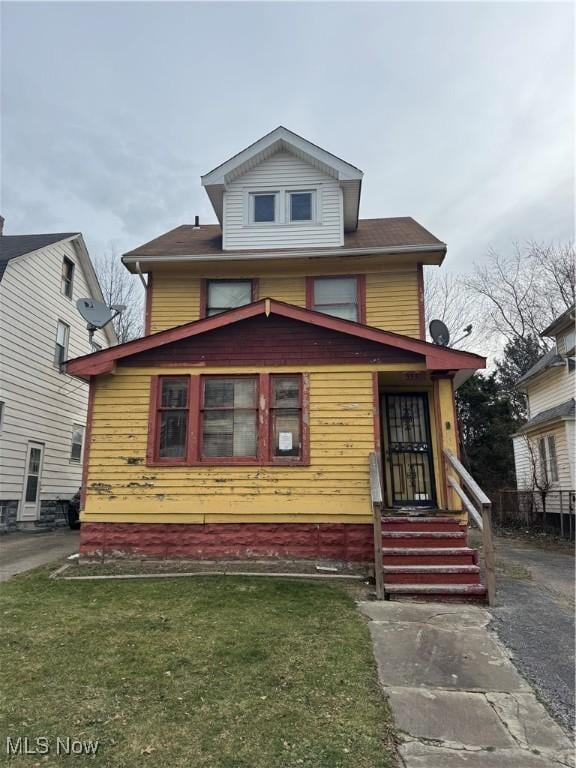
(152, 420)
(360, 292)
(194, 421)
(436, 357)
(87, 442)
(264, 439)
(421, 307)
(203, 297)
(148, 305)
(306, 418)
(256, 289)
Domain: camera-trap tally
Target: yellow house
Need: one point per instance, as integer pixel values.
(283, 345)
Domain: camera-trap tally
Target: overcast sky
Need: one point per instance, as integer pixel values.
(460, 115)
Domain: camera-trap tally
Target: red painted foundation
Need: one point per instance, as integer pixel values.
(339, 542)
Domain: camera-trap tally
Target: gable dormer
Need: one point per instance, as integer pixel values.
(284, 192)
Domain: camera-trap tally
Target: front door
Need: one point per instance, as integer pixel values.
(409, 450)
(32, 478)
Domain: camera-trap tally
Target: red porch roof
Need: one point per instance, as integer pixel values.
(436, 358)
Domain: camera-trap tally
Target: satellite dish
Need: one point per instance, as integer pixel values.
(439, 332)
(96, 314)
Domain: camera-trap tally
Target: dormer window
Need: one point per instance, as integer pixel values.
(263, 207)
(301, 206)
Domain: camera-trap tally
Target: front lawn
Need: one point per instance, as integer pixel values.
(216, 672)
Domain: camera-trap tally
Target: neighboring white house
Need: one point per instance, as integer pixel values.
(42, 410)
(544, 446)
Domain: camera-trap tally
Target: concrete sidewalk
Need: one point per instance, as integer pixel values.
(20, 552)
(454, 692)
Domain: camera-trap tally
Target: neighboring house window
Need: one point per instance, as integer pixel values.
(172, 419)
(258, 419)
(1, 414)
(222, 295)
(263, 207)
(77, 442)
(301, 206)
(67, 277)
(33, 478)
(548, 458)
(338, 296)
(229, 416)
(62, 337)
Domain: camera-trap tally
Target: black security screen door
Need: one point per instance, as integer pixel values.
(409, 450)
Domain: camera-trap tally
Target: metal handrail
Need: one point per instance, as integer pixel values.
(482, 517)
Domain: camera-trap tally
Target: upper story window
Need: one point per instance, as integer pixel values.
(301, 206)
(338, 296)
(263, 207)
(222, 295)
(62, 338)
(67, 281)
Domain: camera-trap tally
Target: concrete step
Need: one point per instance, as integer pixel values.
(437, 592)
(398, 555)
(451, 524)
(431, 574)
(423, 538)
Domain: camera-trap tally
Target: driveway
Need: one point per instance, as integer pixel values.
(21, 552)
(534, 618)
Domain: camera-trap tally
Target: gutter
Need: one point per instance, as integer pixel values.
(277, 255)
(140, 275)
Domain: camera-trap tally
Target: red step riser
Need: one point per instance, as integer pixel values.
(432, 578)
(434, 543)
(434, 527)
(465, 559)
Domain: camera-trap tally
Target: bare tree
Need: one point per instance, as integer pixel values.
(521, 292)
(540, 481)
(120, 287)
(446, 298)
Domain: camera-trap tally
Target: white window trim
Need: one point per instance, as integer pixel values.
(313, 207)
(277, 207)
(74, 428)
(2, 413)
(72, 277)
(67, 340)
(282, 206)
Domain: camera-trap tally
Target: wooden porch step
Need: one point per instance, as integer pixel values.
(440, 523)
(431, 574)
(423, 538)
(437, 592)
(428, 556)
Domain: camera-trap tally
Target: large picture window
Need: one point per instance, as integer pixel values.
(257, 419)
(337, 296)
(222, 295)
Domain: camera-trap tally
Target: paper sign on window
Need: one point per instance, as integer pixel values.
(285, 441)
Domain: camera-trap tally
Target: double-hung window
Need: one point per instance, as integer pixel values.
(548, 458)
(172, 418)
(62, 337)
(222, 295)
(67, 277)
(254, 419)
(229, 417)
(337, 296)
(301, 206)
(77, 443)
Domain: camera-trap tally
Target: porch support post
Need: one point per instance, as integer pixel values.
(447, 429)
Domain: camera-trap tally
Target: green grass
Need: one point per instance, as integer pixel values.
(216, 672)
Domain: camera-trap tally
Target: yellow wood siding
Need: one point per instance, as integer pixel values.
(334, 488)
(392, 301)
(175, 299)
(391, 291)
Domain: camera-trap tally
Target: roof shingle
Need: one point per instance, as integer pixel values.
(12, 246)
